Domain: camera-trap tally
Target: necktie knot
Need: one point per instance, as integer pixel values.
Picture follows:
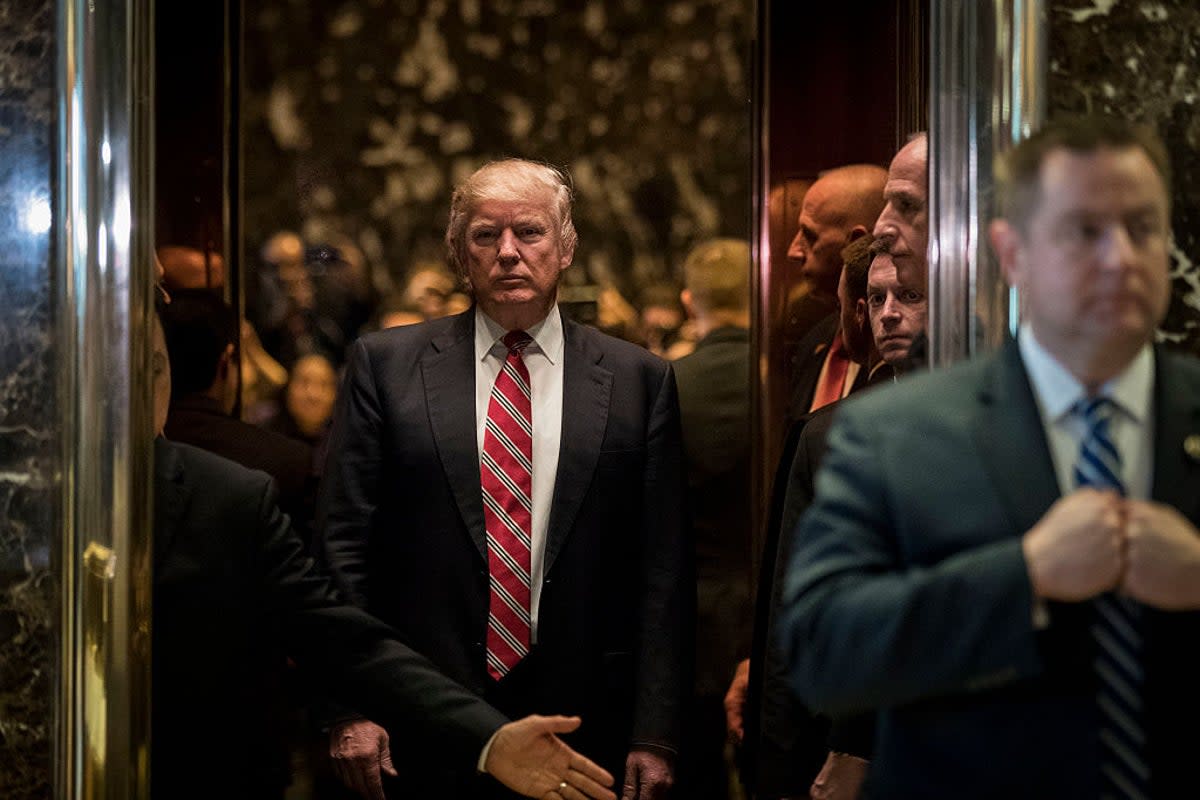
(516, 341)
(1095, 411)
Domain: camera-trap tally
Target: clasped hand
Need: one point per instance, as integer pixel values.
(1095, 541)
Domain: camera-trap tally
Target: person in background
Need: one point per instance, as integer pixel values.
(714, 407)
(659, 318)
(842, 205)
(201, 333)
(427, 288)
(308, 402)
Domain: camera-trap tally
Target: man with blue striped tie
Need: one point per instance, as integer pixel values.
(1003, 556)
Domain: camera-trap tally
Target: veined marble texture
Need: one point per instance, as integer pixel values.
(29, 456)
(1140, 59)
(361, 116)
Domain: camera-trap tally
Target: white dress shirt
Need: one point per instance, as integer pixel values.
(544, 360)
(1056, 391)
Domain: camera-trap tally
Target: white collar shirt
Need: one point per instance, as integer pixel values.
(1057, 391)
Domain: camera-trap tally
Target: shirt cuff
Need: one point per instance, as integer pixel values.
(481, 765)
(1041, 614)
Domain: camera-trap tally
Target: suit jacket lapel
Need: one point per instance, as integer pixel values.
(1012, 441)
(171, 494)
(1177, 417)
(587, 392)
(448, 371)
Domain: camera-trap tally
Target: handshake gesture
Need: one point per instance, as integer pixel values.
(1092, 541)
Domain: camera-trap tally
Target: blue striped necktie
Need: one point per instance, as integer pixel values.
(1116, 629)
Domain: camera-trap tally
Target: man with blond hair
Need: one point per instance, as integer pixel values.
(504, 487)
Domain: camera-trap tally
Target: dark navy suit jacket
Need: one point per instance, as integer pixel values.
(908, 592)
(402, 527)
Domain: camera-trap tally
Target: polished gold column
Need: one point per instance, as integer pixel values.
(104, 274)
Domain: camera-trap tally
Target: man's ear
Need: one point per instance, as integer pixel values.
(862, 317)
(857, 232)
(685, 297)
(1007, 244)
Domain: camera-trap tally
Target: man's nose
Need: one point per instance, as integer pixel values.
(885, 226)
(797, 251)
(1116, 248)
(891, 309)
(508, 247)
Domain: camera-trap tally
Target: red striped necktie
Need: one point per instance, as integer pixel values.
(506, 476)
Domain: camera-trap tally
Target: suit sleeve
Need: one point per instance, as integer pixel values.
(357, 657)
(668, 607)
(349, 491)
(864, 627)
(789, 739)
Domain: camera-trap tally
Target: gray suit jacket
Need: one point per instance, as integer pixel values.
(908, 592)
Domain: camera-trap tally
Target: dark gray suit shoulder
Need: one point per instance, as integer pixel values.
(928, 393)
(214, 474)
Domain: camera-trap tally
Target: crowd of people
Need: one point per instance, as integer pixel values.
(980, 582)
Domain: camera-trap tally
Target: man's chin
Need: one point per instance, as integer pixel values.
(896, 352)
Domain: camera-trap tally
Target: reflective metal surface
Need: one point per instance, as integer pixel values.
(988, 62)
(105, 299)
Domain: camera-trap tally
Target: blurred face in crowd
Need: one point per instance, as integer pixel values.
(514, 259)
(311, 393)
(898, 305)
(818, 244)
(904, 224)
(1092, 258)
(427, 291)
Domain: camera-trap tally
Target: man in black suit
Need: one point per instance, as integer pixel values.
(201, 331)
(841, 205)
(714, 403)
(1003, 556)
(785, 742)
(234, 592)
(504, 487)
(891, 314)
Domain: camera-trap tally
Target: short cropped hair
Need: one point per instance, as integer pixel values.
(717, 273)
(509, 179)
(1018, 171)
(198, 326)
(856, 261)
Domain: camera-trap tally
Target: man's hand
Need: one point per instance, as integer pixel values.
(359, 749)
(1075, 551)
(735, 702)
(1162, 557)
(648, 776)
(841, 778)
(528, 757)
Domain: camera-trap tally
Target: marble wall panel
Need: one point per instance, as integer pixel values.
(1139, 59)
(29, 456)
(360, 117)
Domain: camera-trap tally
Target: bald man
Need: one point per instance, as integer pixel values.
(841, 206)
